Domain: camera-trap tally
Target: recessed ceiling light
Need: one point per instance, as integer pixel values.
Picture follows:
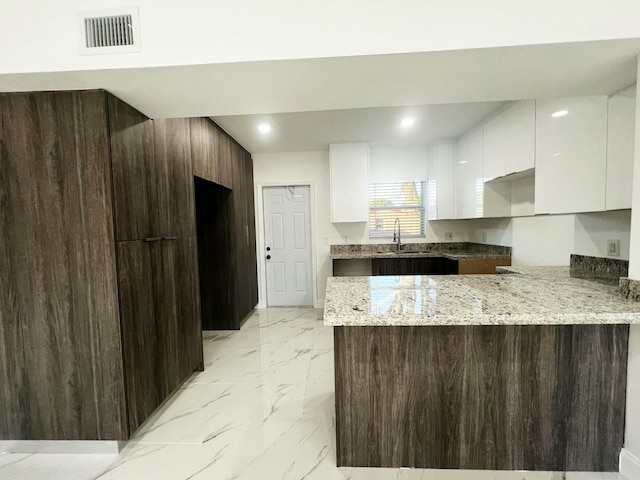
(264, 128)
(559, 113)
(407, 122)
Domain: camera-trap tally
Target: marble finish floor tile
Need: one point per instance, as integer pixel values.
(262, 409)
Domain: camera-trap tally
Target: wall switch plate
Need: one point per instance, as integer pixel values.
(484, 237)
(448, 235)
(613, 248)
(326, 240)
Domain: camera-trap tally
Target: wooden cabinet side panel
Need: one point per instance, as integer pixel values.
(59, 262)
(183, 271)
(132, 156)
(160, 320)
(173, 203)
(208, 153)
(142, 340)
(481, 397)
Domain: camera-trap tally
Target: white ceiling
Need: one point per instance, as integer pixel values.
(304, 131)
(252, 89)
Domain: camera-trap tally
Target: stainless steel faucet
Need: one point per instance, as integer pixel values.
(397, 239)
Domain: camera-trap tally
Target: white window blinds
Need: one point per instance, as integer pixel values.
(402, 200)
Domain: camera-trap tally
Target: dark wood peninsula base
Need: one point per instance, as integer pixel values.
(535, 397)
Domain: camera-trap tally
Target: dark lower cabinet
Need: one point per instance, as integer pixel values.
(496, 397)
(160, 317)
(414, 266)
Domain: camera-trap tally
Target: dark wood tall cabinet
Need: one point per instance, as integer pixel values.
(225, 226)
(61, 371)
(160, 311)
(99, 291)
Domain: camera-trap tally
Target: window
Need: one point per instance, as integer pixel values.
(401, 200)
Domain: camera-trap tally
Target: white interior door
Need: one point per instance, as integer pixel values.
(287, 233)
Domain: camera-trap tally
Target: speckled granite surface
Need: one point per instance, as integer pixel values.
(599, 269)
(630, 289)
(452, 250)
(530, 296)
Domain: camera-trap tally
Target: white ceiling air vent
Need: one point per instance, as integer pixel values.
(109, 31)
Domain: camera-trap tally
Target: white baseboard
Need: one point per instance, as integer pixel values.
(629, 465)
(61, 446)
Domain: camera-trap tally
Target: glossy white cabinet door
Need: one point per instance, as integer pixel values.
(469, 175)
(494, 147)
(620, 140)
(571, 155)
(520, 136)
(349, 182)
(440, 184)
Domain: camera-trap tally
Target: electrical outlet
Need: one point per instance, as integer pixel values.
(613, 248)
(326, 240)
(484, 237)
(448, 235)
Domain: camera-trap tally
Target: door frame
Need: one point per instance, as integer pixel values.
(260, 242)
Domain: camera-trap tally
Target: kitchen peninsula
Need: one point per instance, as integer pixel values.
(520, 371)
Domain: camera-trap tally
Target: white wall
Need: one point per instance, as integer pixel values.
(542, 240)
(40, 35)
(498, 231)
(592, 230)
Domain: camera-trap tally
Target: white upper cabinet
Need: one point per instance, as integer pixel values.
(494, 147)
(469, 175)
(520, 136)
(349, 182)
(620, 134)
(571, 148)
(440, 159)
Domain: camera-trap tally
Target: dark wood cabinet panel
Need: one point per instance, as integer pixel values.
(227, 240)
(245, 268)
(412, 266)
(132, 155)
(173, 180)
(481, 397)
(208, 156)
(161, 329)
(152, 174)
(58, 270)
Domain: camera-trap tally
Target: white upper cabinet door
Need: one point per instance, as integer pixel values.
(432, 183)
(621, 129)
(520, 137)
(349, 182)
(494, 147)
(469, 175)
(440, 184)
(571, 148)
(444, 160)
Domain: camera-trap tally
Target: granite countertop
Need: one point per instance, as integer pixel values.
(458, 255)
(528, 296)
(451, 250)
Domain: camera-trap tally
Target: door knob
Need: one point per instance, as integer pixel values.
(268, 249)
(268, 257)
